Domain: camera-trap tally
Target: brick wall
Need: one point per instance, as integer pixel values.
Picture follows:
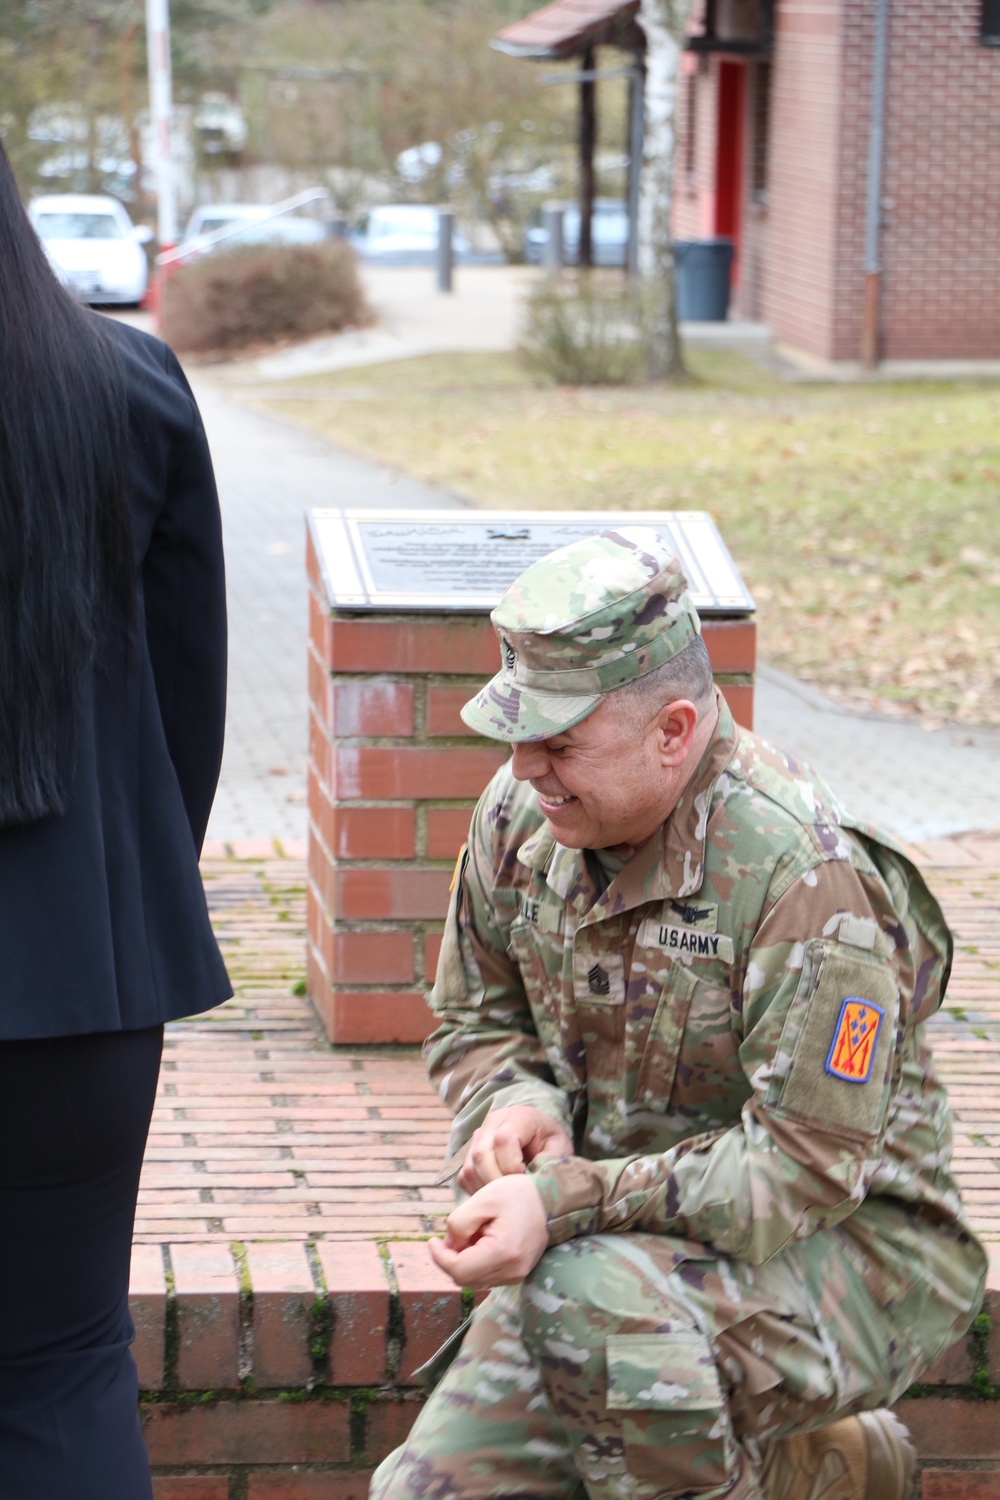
(941, 188)
(393, 777)
(803, 242)
(788, 241)
(791, 233)
(698, 115)
(281, 1371)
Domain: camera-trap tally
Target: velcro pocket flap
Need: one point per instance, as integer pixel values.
(841, 1036)
(662, 1372)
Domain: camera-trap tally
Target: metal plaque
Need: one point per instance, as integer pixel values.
(443, 560)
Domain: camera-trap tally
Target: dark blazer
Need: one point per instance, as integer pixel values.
(103, 922)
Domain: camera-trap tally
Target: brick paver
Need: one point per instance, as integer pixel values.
(262, 1132)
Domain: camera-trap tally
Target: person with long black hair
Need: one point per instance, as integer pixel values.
(112, 704)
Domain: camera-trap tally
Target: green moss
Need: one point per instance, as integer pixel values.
(320, 1336)
(239, 1253)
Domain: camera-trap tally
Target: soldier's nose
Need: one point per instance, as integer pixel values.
(529, 760)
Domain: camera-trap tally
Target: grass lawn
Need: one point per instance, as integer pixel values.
(866, 519)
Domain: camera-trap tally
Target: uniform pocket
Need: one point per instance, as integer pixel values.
(540, 958)
(675, 1426)
(691, 1025)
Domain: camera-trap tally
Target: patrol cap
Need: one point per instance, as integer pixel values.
(577, 623)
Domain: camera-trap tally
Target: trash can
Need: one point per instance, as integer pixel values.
(703, 268)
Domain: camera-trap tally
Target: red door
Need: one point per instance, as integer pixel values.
(729, 156)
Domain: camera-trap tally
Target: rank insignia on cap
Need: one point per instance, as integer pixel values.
(852, 1051)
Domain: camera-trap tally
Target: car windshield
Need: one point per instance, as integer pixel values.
(283, 232)
(218, 221)
(80, 226)
(408, 221)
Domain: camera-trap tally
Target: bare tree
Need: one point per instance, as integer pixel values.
(663, 22)
(417, 73)
(82, 64)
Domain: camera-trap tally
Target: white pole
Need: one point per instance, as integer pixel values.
(160, 109)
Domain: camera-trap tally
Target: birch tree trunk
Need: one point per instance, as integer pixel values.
(663, 22)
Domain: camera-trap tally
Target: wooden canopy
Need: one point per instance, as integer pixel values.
(566, 28)
(576, 28)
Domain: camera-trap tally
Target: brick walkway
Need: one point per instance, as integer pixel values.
(262, 1132)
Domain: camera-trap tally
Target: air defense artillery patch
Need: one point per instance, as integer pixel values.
(852, 1051)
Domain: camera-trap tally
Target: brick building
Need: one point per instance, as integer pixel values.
(778, 118)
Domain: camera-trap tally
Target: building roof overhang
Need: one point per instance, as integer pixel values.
(566, 28)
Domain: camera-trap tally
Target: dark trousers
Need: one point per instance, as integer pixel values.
(74, 1113)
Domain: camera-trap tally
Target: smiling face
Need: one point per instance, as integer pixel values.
(611, 780)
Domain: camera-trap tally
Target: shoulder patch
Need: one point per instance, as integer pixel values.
(456, 873)
(852, 1051)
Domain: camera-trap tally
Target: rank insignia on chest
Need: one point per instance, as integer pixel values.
(598, 981)
(852, 1051)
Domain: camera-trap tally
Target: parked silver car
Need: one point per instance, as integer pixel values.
(608, 234)
(406, 234)
(253, 224)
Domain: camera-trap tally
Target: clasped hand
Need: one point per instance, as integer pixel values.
(499, 1233)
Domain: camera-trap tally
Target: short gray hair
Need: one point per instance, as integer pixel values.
(686, 675)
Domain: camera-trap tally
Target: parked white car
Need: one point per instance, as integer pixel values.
(93, 246)
(220, 125)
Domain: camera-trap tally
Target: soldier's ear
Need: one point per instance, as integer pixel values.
(676, 727)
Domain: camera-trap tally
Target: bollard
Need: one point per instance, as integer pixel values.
(445, 249)
(553, 257)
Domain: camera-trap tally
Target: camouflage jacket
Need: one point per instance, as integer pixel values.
(732, 1031)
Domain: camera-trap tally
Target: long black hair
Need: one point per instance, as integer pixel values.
(65, 554)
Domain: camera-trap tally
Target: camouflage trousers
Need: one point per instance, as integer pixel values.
(640, 1366)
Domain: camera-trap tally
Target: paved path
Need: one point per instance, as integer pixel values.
(261, 1132)
(269, 474)
(483, 312)
(919, 783)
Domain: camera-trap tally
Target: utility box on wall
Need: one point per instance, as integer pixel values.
(399, 639)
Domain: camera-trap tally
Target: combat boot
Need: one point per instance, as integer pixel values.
(868, 1457)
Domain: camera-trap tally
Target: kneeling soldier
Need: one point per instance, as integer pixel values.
(681, 1001)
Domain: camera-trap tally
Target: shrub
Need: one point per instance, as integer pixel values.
(585, 330)
(263, 294)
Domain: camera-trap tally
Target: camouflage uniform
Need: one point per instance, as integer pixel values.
(760, 1230)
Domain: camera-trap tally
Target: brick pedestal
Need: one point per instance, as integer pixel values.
(393, 777)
